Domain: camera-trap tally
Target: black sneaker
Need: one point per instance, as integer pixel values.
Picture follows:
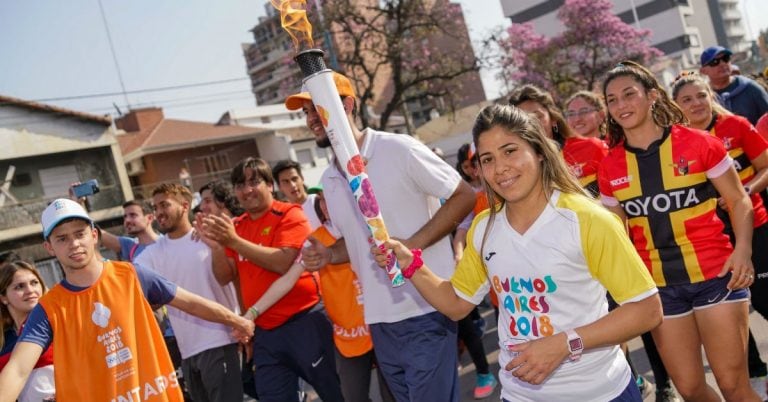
(666, 394)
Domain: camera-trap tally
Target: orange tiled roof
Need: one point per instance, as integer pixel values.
(179, 134)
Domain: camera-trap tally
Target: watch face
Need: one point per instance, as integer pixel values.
(575, 344)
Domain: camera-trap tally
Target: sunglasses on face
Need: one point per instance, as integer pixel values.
(725, 58)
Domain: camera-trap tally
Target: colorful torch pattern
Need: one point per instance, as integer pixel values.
(328, 104)
(319, 82)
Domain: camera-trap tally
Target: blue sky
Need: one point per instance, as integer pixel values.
(59, 49)
(52, 49)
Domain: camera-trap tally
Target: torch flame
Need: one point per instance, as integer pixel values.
(293, 18)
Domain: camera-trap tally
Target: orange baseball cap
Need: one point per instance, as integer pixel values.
(343, 85)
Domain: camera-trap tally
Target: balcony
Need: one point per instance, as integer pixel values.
(277, 78)
(735, 32)
(22, 214)
(731, 15)
(23, 219)
(273, 57)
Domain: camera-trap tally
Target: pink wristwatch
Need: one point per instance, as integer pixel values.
(575, 344)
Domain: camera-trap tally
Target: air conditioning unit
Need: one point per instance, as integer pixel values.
(135, 167)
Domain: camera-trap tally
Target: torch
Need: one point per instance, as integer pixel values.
(318, 80)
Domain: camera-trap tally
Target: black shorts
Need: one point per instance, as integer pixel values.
(681, 300)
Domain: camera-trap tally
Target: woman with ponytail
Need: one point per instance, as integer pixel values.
(664, 179)
(750, 154)
(749, 151)
(549, 252)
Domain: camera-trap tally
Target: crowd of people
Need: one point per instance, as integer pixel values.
(630, 212)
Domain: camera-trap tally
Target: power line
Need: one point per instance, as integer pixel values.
(179, 103)
(164, 102)
(138, 91)
(195, 103)
(112, 50)
(212, 98)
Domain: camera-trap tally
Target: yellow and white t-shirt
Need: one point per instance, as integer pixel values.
(553, 278)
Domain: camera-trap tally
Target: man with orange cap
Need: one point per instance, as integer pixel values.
(414, 344)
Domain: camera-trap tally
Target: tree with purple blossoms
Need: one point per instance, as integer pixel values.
(592, 42)
(389, 49)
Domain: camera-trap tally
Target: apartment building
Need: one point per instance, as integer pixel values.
(269, 60)
(681, 29)
(274, 76)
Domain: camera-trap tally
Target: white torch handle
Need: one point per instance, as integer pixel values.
(328, 104)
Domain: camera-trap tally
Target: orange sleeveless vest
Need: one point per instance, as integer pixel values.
(344, 303)
(481, 202)
(107, 345)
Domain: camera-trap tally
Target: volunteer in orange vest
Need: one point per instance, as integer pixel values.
(107, 345)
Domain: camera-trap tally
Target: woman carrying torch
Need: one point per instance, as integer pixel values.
(549, 252)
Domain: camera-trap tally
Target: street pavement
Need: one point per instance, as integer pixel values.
(490, 340)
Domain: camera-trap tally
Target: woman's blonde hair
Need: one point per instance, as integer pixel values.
(7, 272)
(555, 175)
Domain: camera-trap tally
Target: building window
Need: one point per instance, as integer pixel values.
(223, 160)
(305, 158)
(325, 155)
(21, 180)
(216, 163)
(56, 180)
(693, 40)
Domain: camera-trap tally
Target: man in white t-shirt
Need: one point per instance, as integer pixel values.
(211, 362)
(415, 345)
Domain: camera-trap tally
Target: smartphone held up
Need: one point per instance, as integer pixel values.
(85, 189)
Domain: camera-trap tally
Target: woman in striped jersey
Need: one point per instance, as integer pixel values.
(664, 179)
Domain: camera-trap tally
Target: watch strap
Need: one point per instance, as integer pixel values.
(575, 344)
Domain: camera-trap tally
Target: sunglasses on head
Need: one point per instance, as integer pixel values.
(724, 58)
(683, 75)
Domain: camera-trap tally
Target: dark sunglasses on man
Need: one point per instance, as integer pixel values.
(716, 62)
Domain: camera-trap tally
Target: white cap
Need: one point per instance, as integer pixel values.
(59, 210)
